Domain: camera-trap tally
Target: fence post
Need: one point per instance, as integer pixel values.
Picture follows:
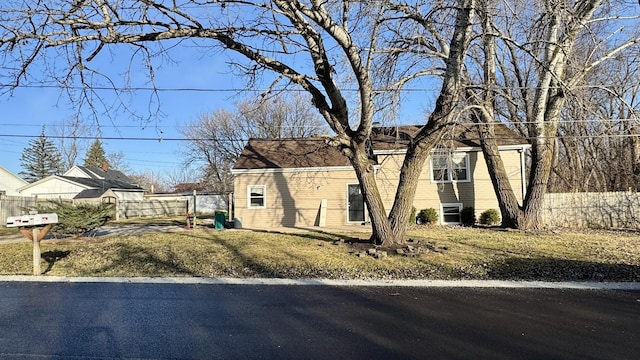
(195, 202)
(3, 197)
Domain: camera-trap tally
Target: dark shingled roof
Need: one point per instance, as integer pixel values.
(111, 175)
(102, 184)
(463, 135)
(289, 153)
(315, 152)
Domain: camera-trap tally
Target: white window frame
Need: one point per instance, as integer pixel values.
(458, 205)
(449, 165)
(264, 197)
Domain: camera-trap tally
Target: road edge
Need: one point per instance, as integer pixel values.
(333, 282)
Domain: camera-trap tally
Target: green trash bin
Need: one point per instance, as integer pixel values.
(220, 219)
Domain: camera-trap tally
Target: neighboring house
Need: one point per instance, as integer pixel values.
(306, 182)
(85, 183)
(10, 183)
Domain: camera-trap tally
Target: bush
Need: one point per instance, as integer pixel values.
(468, 216)
(78, 219)
(427, 216)
(490, 217)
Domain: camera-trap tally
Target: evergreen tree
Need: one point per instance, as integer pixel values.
(40, 159)
(95, 155)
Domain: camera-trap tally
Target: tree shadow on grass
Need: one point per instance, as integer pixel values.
(551, 269)
(321, 235)
(52, 256)
(139, 261)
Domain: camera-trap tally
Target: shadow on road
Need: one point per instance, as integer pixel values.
(551, 269)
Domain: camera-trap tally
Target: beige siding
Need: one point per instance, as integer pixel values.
(293, 198)
(477, 193)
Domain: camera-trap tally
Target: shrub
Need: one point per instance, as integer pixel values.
(468, 216)
(78, 219)
(427, 216)
(490, 217)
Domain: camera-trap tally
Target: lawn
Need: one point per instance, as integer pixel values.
(438, 253)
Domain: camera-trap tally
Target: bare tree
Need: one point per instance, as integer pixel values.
(176, 179)
(148, 181)
(598, 144)
(71, 138)
(117, 161)
(325, 48)
(215, 141)
(532, 60)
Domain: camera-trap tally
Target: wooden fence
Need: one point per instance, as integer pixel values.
(608, 210)
(151, 208)
(17, 205)
(14, 206)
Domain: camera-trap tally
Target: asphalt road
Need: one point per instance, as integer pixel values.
(200, 321)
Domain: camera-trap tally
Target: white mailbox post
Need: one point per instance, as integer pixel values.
(33, 222)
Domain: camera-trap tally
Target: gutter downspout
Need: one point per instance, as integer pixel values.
(523, 183)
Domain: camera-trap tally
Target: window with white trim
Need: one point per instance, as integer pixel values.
(450, 213)
(450, 168)
(256, 196)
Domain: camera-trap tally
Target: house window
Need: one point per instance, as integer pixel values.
(450, 213)
(445, 168)
(256, 196)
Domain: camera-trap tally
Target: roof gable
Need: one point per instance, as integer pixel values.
(10, 182)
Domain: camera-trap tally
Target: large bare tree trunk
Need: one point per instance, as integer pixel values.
(482, 114)
(363, 166)
(512, 215)
(542, 113)
(440, 119)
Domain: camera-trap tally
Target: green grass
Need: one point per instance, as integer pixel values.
(455, 253)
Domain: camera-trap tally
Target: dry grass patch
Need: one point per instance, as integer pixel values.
(460, 253)
(559, 255)
(8, 231)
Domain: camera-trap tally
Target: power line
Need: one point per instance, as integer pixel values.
(196, 89)
(161, 139)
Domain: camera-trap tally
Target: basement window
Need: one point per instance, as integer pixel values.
(450, 214)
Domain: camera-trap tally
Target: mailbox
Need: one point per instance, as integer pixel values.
(32, 220)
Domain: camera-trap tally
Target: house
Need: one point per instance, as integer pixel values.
(306, 182)
(10, 183)
(82, 182)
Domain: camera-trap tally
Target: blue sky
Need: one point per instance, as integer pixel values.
(29, 108)
(207, 74)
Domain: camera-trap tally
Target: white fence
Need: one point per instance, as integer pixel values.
(593, 210)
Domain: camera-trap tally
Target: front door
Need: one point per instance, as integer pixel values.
(355, 203)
